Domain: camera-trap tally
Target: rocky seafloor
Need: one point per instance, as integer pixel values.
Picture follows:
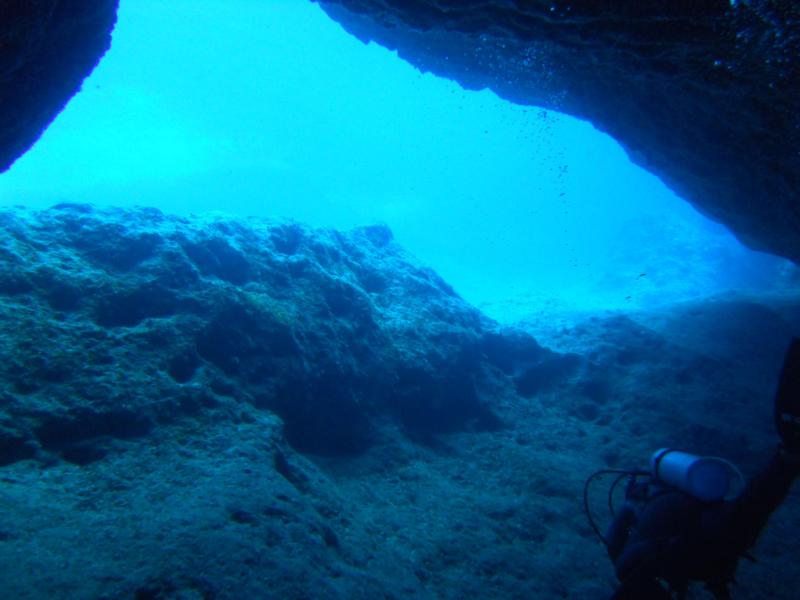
(212, 407)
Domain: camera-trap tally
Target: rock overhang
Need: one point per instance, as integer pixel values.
(47, 49)
(703, 94)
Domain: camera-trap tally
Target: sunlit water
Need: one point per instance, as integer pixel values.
(267, 107)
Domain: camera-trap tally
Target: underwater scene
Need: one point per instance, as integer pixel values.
(358, 299)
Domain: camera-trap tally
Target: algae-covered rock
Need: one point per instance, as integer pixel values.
(115, 321)
(231, 408)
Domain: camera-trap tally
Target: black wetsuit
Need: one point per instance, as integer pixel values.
(671, 536)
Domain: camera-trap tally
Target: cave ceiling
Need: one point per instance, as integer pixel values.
(702, 93)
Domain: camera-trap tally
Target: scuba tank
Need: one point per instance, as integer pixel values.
(706, 478)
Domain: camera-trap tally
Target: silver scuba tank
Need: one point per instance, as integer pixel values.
(707, 478)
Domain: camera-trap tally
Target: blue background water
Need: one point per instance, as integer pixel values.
(267, 107)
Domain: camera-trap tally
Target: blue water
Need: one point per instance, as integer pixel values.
(267, 107)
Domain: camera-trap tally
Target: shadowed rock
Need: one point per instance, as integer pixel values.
(47, 48)
(118, 320)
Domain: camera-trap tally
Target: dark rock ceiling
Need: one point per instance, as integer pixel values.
(47, 48)
(703, 93)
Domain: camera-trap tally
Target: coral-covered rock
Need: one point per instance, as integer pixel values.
(226, 408)
(115, 321)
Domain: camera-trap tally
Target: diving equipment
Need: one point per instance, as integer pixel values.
(707, 478)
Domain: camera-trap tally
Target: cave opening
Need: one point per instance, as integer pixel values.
(197, 404)
(271, 108)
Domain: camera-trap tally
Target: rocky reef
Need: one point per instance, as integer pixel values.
(231, 408)
(216, 407)
(333, 332)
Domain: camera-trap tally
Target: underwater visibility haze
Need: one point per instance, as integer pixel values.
(270, 108)
(284, 317)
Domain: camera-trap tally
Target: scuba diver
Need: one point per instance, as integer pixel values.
(683, 520)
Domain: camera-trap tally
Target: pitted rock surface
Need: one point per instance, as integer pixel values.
(227, 408)
(117, 320)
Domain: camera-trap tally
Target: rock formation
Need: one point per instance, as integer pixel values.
(228, 408)
(116, 321)
(47, 48)
(703, 94)
(231, 408)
